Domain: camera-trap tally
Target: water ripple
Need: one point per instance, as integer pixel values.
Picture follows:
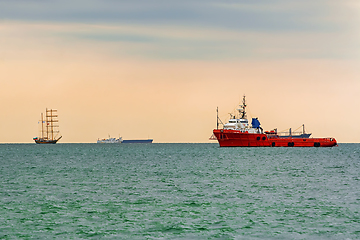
(179, 191)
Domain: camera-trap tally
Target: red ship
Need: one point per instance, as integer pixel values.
(239, 133)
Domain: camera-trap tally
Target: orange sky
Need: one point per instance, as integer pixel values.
(165, 81)
(175, 101)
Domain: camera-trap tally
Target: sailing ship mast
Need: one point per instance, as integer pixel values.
(42, 126)
(51, 118)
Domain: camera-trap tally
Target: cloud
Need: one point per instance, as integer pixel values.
(276, 15)
(201, 30)
(207, 30)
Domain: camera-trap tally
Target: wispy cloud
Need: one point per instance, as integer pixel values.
(275, 15)
(204, 30)
(169, 41)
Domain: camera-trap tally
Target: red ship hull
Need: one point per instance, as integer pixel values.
(235, 138)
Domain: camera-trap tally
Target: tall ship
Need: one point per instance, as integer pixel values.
(49, 129)
(239, 133)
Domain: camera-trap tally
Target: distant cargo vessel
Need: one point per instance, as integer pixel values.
(239, 133)
(120, 140)
(291, 134)
(49, 133)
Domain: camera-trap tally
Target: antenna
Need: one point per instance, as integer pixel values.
(242, 111)
(217, 117)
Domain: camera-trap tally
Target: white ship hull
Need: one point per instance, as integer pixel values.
(110, 140)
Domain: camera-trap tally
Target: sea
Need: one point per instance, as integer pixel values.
(178, 191)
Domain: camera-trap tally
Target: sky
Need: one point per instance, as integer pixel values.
(159, 69)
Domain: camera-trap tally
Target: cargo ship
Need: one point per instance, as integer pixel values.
(239, 133)
(138, 141)
(49, 133)
(290, 133)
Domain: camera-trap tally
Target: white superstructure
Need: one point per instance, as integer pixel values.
(110, 140)
(236, 124)
(241, 122)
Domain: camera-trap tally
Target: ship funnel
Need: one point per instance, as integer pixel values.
(255, 123)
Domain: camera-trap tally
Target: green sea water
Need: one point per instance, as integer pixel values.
(178, 191)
